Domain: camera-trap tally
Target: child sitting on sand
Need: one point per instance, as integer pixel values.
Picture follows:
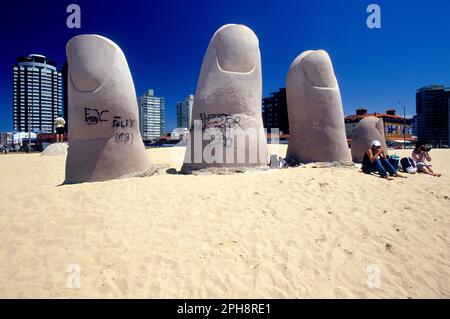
(422, 158)
(375, 160)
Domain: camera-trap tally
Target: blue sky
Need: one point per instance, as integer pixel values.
(165, 40)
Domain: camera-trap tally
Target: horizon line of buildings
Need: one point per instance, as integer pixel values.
(40, 95)
(430, 124)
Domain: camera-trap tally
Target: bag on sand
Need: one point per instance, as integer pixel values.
(394, 161)
(408, 165)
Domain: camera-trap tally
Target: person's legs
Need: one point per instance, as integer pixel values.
(431, 171)
(368, 168)
(59, 134)
(388, 167)
(422, 168)
(425, 170)
(379, 168)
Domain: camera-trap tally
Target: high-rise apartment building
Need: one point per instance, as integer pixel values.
(184, 112)
(37, 94)
(151, 116)
(65, 77)
(433, 116)
(275, 114)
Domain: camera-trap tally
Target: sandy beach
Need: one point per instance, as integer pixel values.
(296, 233)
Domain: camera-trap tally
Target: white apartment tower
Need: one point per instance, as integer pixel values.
(151, 116)
(37, 91)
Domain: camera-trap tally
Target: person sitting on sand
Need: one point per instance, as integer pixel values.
(422, 158)
(375, 160)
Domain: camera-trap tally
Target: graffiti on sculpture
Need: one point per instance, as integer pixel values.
(123, 123)
(124, 137)
(223, 123)
(94, 116)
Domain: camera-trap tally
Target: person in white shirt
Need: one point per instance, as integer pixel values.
(422, 158)
(59, 124)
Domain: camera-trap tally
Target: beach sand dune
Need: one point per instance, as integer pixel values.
(295, 233)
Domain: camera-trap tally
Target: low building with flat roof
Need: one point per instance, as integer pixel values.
(394, 125)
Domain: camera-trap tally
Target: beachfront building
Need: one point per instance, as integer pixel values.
(414, 126)
(6, 138)
(151, 116)
(433, 115)
(274, 112)
(184, 112)
(37, 94)
(65, 78)
(397, 129)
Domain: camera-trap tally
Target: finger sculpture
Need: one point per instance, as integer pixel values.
(228, 129)
(104, 137)
(316, 117)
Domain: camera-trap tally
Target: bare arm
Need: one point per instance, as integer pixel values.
(415, 156)
(427, 156)
(372, 156)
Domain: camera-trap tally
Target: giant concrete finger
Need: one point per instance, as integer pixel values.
(227, 105)
(316, 117)
(104, 138)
